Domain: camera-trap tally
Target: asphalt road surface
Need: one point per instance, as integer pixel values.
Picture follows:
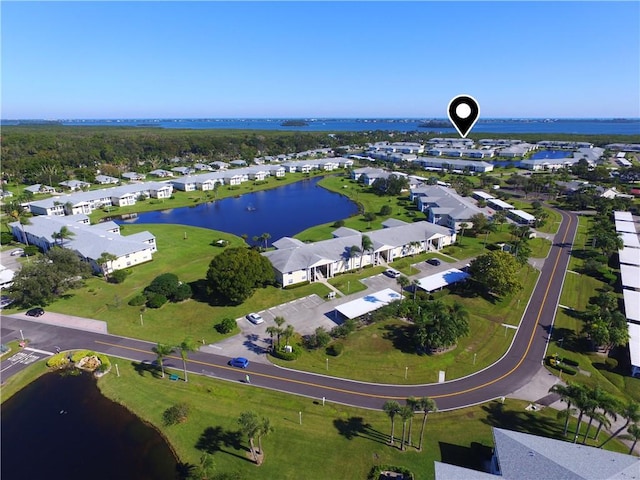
(512, 371)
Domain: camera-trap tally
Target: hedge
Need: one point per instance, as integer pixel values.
(280, 353)
(376, 472)
(59, 360)
(561, 366)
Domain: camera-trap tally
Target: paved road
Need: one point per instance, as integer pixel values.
(512, 371)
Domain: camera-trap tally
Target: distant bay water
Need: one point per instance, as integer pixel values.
(511, 126)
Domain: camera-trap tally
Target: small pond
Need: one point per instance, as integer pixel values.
(61, 427)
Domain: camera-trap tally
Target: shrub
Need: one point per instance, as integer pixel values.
(563, 367)
(59, 360)
(282, 354)
(571, 363)
(376, 472)
(183, 292)
(138, 301)
(80, 354)
(343, 330)
(156, 300)
(105, 363)
(320, 338)
(177, 413)
(31, 250)
(6, 238)
(335, 349)
(118, 276)
(227, 325)
(338, 224)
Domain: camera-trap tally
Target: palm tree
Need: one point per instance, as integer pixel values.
(250, 426)
(186, 346)
(425, 405)
(161, 350)
(463, 227)
(582, 402)
(565, 393)
(406, 413)
(403, 282)
(62, 235)
(279, 322)
(591, 405)
(353, 252)
(271, 330)
(367, 246)
(265, 429)
(104, 260)
(19, 216)
(610, 407)
(631, 412)
(265, 237)
(634, 434)
(412, 403)
(391, 408)
(415, 283)
(287, 333)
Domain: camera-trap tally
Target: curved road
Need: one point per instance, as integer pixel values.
(512, 371)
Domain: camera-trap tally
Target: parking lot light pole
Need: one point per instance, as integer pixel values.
(22, 336)
(406, 370)
(327, 364)
(141, 321)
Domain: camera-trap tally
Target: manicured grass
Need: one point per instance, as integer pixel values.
(349, 283)
(333, 441)
(189, 259)
(383, 352)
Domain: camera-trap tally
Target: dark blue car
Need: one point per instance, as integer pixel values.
(239, 362)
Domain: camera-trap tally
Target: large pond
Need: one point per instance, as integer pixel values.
(63, 428)
(280, 212)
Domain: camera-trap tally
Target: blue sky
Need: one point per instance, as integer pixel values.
(326, 59)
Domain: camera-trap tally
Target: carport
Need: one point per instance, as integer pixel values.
(442, 279)
(368, 303)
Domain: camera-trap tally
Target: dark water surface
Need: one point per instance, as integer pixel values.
(280, 212)
(63, 428)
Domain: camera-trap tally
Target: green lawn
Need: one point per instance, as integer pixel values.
(333, 441)
(383, 352)
(189, 259)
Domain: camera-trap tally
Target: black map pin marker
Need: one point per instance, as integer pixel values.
(463, 112)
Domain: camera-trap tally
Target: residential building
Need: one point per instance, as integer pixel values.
(74, 185)
(106, 180)
(443, 206)
(294, 261)
(522, 456)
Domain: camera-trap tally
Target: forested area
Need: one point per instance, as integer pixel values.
(52, 153)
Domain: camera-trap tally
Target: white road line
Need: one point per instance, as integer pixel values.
(35, 350)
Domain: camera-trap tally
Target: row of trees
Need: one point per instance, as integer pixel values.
(163, 350)
(600, 407)
(406, 412)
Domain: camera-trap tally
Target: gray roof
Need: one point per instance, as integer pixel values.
(523, 456)
(443, 200)
(292, 255)
(446, 471)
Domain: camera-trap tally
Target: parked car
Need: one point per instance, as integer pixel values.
(239, 362)
(18, 252)
(5, 301)
(255, 318)
(392, 272)
(434, 261)
(35, 312)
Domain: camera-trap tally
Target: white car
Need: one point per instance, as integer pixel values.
(393, 273)
(255, 318)
(18, 252)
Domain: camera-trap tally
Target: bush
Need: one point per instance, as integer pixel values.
(31, 250)
(105, 363)
(59, 360)
(335, 349)
(80, 354)
(178, 413)
(118, 276)
(561, 366)
(376, 472)
(156, 300)
(341, 331)
(6, 238)
(227, 325)
(183, 292)
(138, 301)
(319, 339)
(571, 363)
(279, 352)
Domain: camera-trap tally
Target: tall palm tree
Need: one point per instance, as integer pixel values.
(20, 216)
(161, 350)
(406, 413)
(463, 227)
(591, 406)
(391, 408)
(367, 246)
(265, 237)
(566, 396)
(415, 283)
(631, 412)
(425, 405)
(104, 260)
(63, 234)
(186, 346)
(250, 426)
(610, 407)
(354, 252)
(272, 330)
(265, 429)
(287, 333)
(279, 322)
(412, 403)
(634, 434)
(403, 282)
(583, 403)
